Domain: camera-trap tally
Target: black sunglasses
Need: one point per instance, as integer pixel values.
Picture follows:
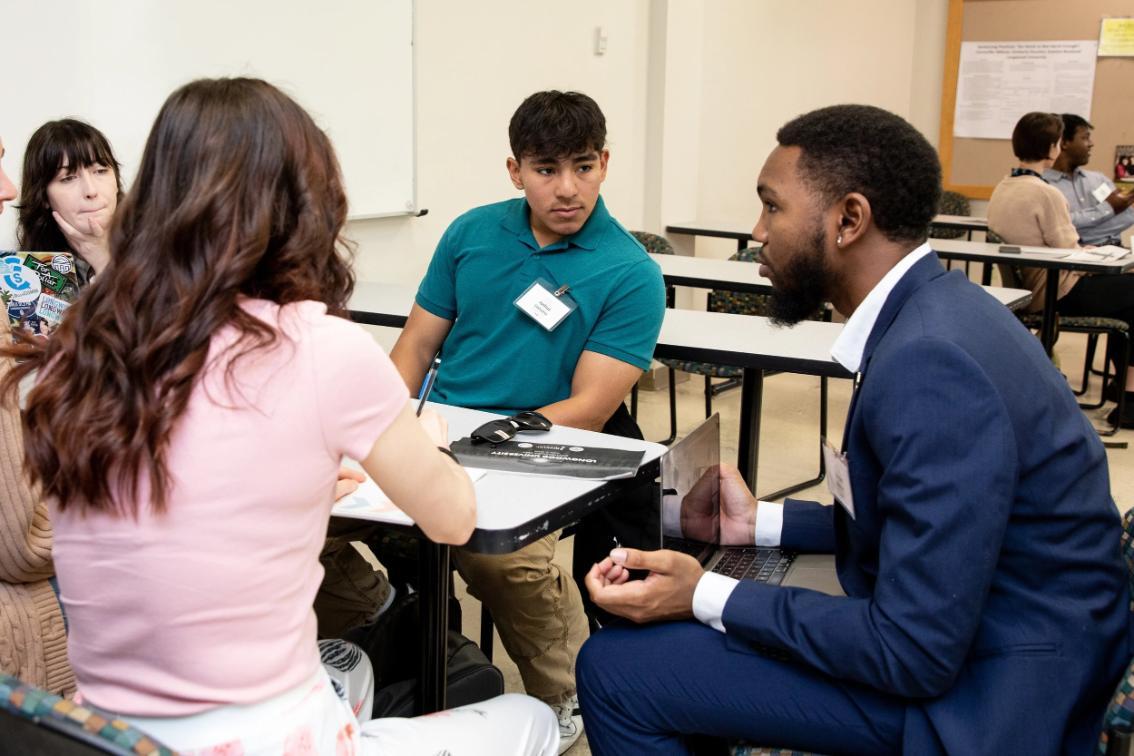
(506, 428)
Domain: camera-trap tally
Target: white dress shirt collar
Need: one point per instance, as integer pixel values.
(848, 348)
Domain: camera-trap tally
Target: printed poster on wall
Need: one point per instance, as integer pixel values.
(998, 82)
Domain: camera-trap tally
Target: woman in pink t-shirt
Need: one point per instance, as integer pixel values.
(188, 425)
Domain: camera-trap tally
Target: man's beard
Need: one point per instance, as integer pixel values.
(803, 285)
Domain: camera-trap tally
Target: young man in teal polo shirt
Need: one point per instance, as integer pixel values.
(503, 358)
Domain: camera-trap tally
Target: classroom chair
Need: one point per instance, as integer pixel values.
(736, 303)
(35, 722)
(659, 245)
(952, 203)
(1116, 332)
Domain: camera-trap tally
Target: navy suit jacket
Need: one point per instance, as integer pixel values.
(982, 568)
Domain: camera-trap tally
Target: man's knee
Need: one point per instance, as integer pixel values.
(597, 658)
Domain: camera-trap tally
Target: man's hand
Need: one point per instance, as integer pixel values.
(348, 482)
(719, 508)
(700, 509)
(1120, 200)
(738, 509)
(91, 243)
(665, 594)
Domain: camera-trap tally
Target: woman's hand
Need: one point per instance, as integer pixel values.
(91, 244)
(435, 426)
(348, 482)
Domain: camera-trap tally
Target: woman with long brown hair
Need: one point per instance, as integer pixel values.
(188, 425)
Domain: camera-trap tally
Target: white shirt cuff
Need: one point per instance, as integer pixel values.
(710, 597)
(769, 523)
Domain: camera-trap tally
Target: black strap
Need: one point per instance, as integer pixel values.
(1027, 172)
(449, 453)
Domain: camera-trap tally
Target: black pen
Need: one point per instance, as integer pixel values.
(427, 384)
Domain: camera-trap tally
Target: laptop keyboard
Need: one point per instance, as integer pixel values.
(764, 565)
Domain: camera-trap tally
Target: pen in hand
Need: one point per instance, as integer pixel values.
(427, 384)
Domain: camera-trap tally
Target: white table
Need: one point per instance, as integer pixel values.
(733, 275)
(748, 342)
(513, 510)
(741, 231)
(1047, 258)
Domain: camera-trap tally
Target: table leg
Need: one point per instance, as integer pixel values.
(434, 561)
(748, 448)
(1050, 294)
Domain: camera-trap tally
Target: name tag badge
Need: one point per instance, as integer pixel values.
(546, 304)
(1101, 192)
(838, 477)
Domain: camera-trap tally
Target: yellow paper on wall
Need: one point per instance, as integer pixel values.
(1116, 38)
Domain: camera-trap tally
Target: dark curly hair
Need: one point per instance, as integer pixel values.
(556, 125)
(238, 194)
(1072, 123)
(860, 148)
(55, 144)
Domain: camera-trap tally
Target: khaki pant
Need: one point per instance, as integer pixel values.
(537, 609)
(352, 591)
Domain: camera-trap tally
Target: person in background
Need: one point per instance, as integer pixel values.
(1027, 210)
(974, 532)
(33, 640)
(1099, 212)
(72, 185)
(187, 428)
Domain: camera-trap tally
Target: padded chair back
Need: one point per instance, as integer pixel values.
(35, 722)
(951, 203)
(1118, 722)
(654, 244)
(735, 302)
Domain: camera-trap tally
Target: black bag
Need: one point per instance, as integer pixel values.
(470, 678)
(393, 644)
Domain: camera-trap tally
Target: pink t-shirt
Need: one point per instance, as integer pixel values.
(210, 602)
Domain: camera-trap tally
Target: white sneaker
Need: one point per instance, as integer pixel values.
(570, 722)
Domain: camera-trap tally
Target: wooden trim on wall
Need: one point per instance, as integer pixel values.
(953, 38)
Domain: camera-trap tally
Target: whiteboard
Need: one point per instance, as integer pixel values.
(348, 62)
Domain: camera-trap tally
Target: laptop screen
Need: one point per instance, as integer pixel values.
(691, 498)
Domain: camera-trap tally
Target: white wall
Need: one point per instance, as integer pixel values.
(475, 63)
(693, 92)
(766, 62)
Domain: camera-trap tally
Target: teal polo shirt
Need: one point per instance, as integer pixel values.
(497, 358)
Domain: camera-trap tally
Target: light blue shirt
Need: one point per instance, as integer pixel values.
(1094, 219)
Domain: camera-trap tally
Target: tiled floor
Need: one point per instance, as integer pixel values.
(789, 450)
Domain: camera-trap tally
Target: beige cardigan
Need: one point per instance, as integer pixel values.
(1027, 211)
(33, 644)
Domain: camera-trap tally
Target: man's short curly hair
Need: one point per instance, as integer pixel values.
(860, 148)
(556, 125)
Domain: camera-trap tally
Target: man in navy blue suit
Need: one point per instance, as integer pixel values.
(976, 538)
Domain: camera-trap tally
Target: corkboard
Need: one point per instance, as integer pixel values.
(974, 166)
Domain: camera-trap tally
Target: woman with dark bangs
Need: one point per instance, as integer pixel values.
(72, 185)
(187, 428)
